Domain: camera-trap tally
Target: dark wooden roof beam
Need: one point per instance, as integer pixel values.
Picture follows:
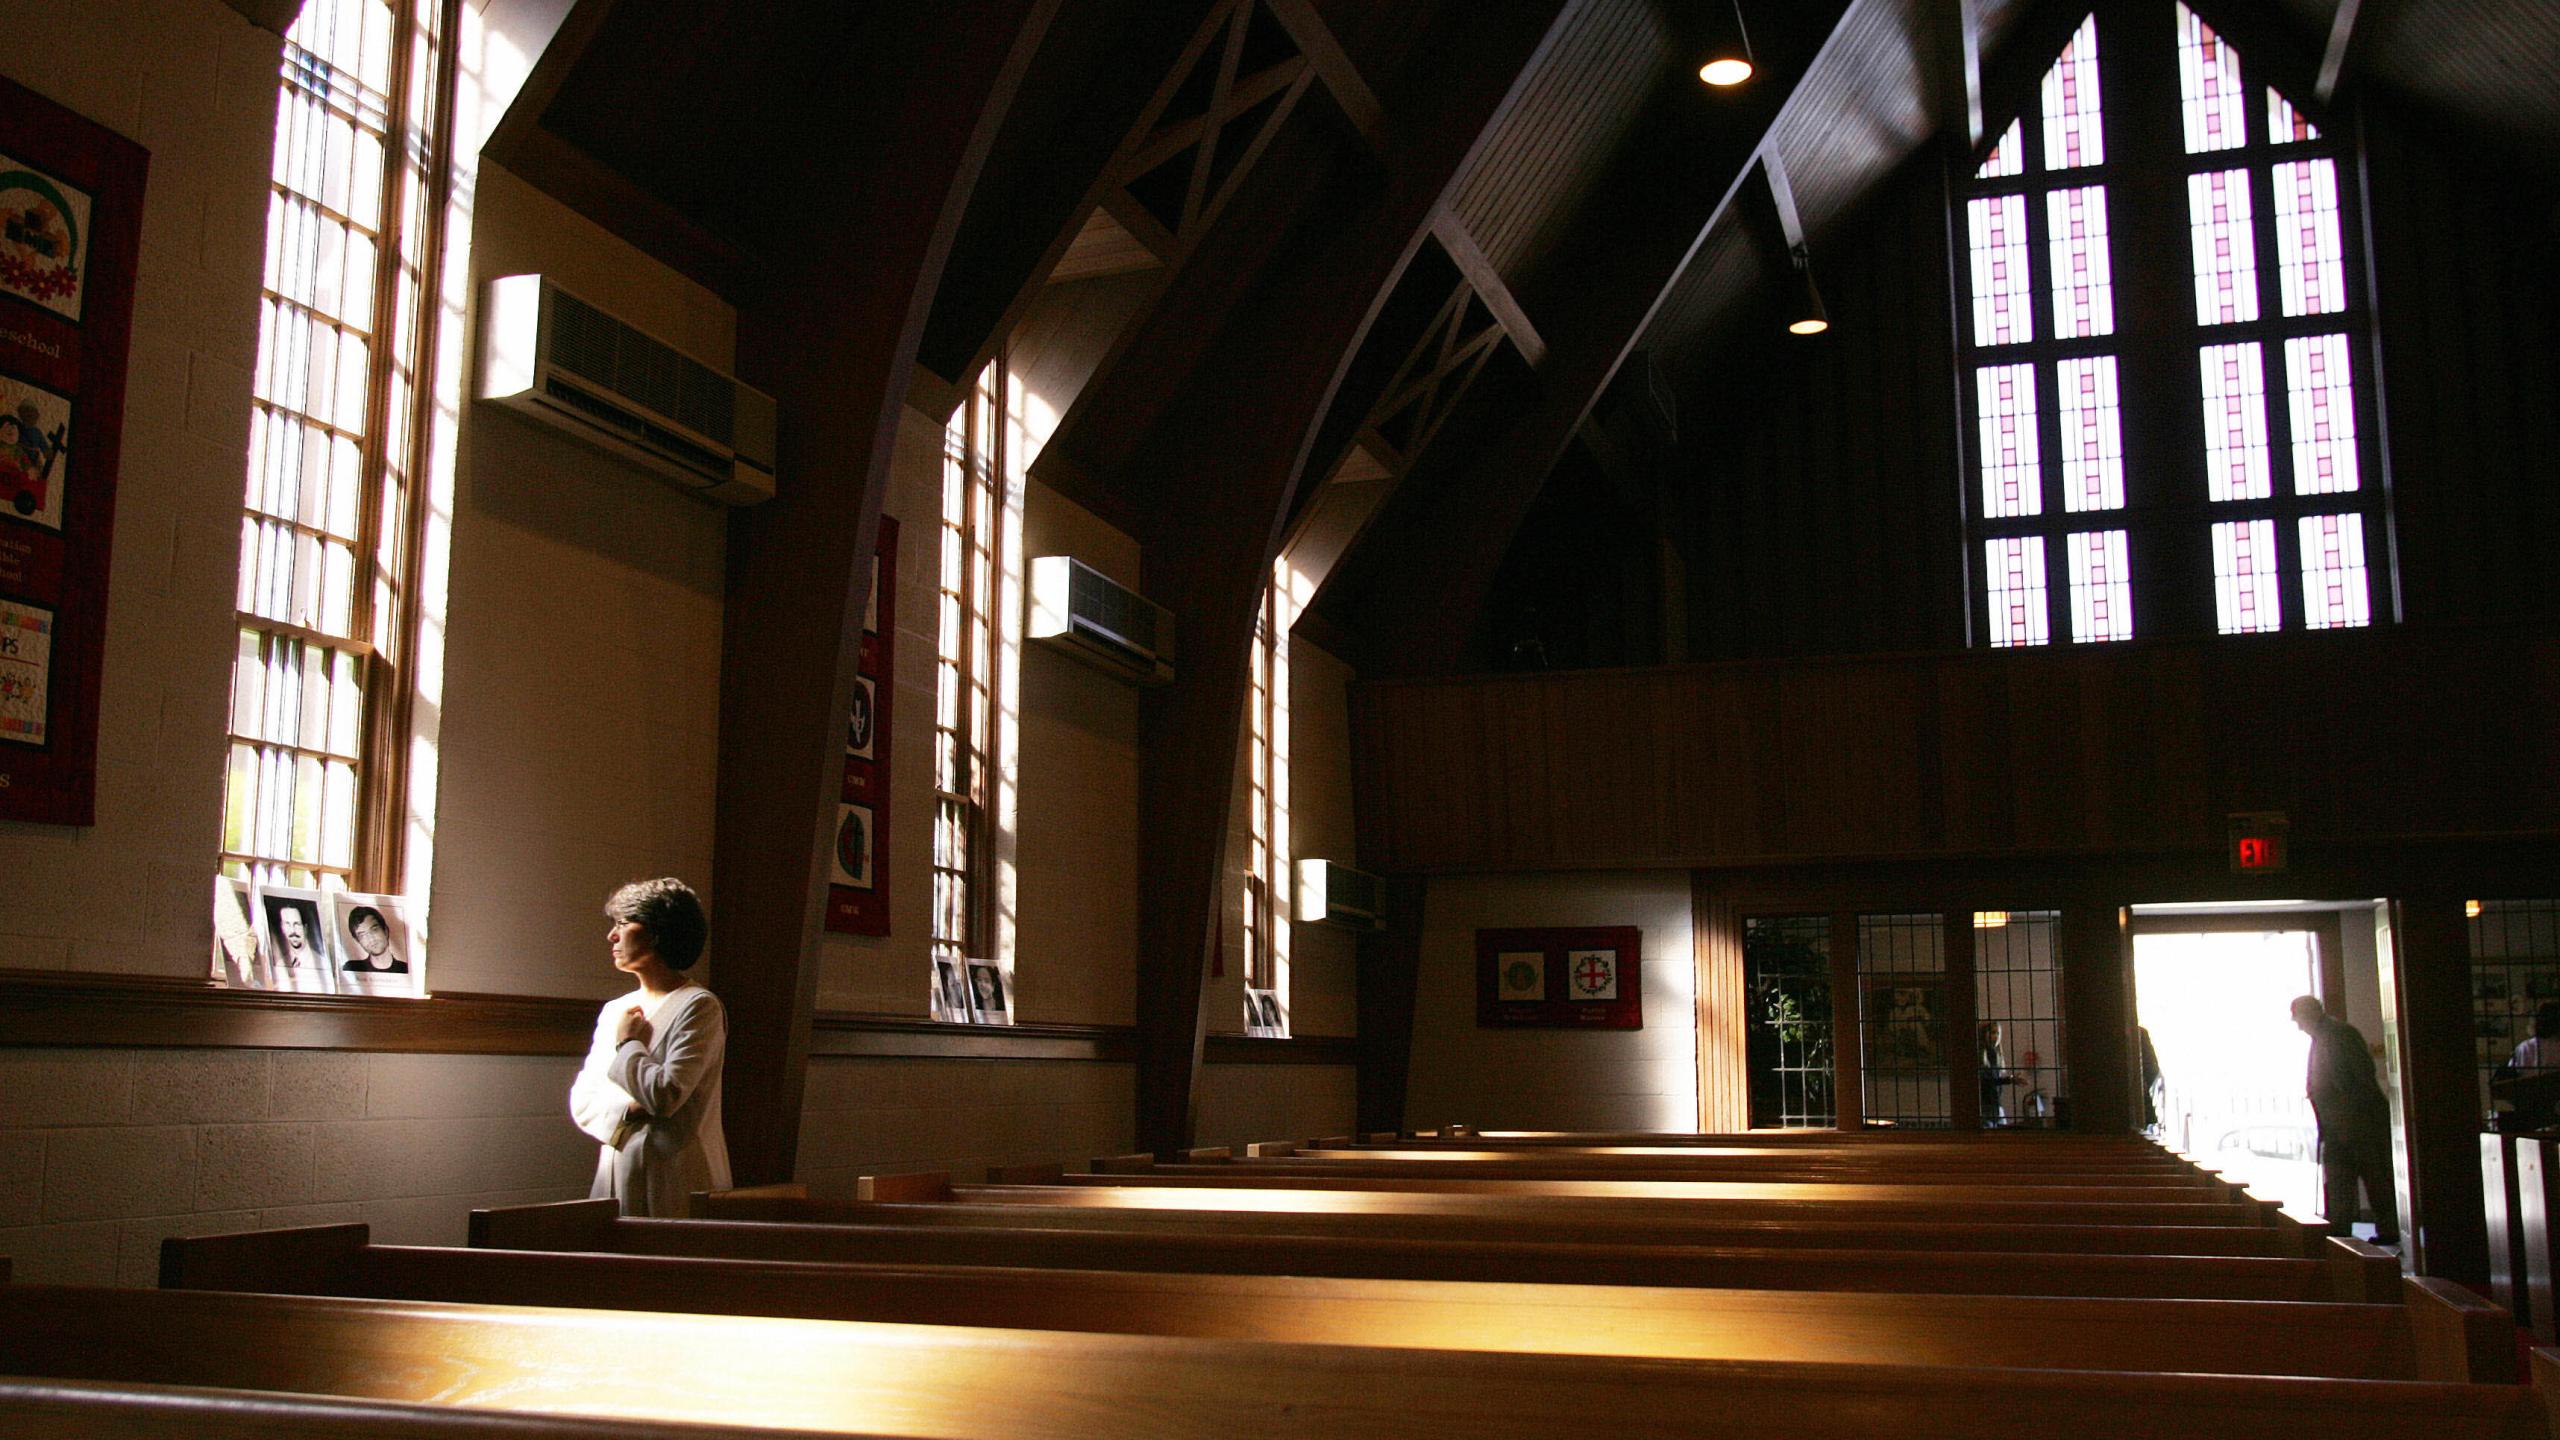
(1342, 79)
(2333, 57)
(1489, 286)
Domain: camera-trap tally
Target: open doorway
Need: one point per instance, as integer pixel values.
(2231, 1060)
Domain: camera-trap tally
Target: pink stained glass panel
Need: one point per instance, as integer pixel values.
(2012, 471)
(2286, 125)
(2226, 249)
(2084, 295)
(2007, 158)
(2335, 585)
(2215, 102)
(2101, 587)
(2084, 394)
(2311, 259)
(2013, 572)
(2246, 597)
(2074, 135)
(2321, 383)
(1997, 225)
(2235, 421)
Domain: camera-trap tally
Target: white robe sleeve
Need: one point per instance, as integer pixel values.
(660, 1078)
(600, 1107)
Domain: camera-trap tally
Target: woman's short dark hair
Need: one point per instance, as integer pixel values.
(671, 913)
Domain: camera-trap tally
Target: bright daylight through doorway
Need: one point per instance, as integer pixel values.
(2231, 1060)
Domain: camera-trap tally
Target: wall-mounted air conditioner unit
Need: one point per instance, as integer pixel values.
(552, 357)
(1100, 621)
(1339, 895)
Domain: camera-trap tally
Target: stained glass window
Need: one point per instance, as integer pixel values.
(2012, 478)
(2285, 125)
(2323, 414)
(2001, 314)
(2101, 587)
(2014, 568)
(2235, 421)
(2215, 103)
(2271, 237)
(2226, 250)
(2245, 591)
(2310, 256)
(2335, 587)
(2084, 297)
(2092, 434)
(2008, 157)
(2074, 135)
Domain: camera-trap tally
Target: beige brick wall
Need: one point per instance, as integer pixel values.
(1552, 1079)
(1240, 1104)
(580, 725)
(132, 894)
(105, 1152)
(886, 1116)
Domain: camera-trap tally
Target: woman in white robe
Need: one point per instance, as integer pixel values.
(649, 1091)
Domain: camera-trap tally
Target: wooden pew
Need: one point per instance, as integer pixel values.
(994, 1384)
(1051, 1185)
(97, 1410)
(1390, 1178)
(2162, 1186)
(2430, 1337)
(2349, 1273)
(987, 1207)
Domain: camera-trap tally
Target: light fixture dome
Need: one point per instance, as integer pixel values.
(1728, 61)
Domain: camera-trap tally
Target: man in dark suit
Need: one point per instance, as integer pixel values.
(2355, 1122)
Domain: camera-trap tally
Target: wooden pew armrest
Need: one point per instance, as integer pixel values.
(560, 1225)
(2361, 1274)
(2458, 1335)
(921, 1186)
(309, 1260)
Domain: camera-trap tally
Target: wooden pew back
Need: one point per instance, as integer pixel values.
(2369, 1341)
(990, 1384)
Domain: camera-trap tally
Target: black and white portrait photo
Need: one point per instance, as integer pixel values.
(295, 940)
(950, 991)
(986, 993)
(376, 952)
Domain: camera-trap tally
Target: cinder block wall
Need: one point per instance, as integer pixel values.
(103, 1153)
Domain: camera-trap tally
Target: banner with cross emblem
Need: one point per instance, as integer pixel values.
(1583, 978)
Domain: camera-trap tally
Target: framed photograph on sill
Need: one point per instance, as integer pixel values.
(990, 1002)
(950, 992)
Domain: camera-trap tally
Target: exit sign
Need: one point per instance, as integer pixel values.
(2258, 842)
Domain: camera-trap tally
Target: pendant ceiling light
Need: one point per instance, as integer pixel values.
(1728, 61)
(1805, 315)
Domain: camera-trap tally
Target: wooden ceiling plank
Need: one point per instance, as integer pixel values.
(1226, 451)
(1621, 262)
(1487, 282)
(837, 349)
(1965, 16)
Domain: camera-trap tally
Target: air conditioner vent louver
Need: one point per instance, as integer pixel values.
(1100, 621)
(1339, 895)
(1121, 612)
(552, 356)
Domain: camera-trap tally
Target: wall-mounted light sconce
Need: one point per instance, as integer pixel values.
(1805, 315)
(1728, 61)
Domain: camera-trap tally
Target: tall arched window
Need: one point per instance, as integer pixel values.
(2166, 369)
